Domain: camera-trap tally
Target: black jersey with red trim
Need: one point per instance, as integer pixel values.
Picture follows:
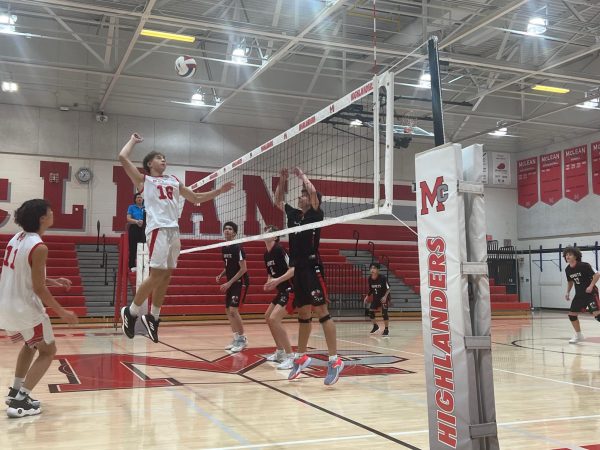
(232, 255)
(378, 287)
(581, 275)
(304, 245)
(277, 263)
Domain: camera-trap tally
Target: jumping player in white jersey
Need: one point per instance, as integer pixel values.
(23, 295)
(161, 196)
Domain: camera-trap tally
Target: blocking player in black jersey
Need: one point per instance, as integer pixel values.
(309, 285)
(584, 278)
(379, 291)
(236, 286)
(279, 278)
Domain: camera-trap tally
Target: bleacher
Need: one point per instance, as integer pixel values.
(62, 263)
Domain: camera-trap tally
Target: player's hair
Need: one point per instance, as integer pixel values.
(136, 195)
(572, 251)
(375, 265)
(271, 229)
(232, 225)
(149, 157)
(29, 214)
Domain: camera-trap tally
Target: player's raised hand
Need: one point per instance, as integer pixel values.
(226, 187)
(298, 172)
(137, 138)
(284, 174)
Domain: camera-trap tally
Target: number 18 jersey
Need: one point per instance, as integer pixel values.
(161, 198)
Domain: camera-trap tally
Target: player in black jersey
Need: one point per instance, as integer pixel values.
(379, 291)
(309, 285)
(236, 286)
(584, 278)
(279, 278)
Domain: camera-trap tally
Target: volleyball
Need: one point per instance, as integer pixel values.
(185, 66)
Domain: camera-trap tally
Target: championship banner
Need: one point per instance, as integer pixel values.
(576, 173)
(551, 178)
(501, 168)
(596, 167)
(527, 182)
(445, 305)
(484, 177)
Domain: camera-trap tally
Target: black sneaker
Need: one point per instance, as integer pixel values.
(375, 329)
(151, 325)
(386, 332)
(22, 408)
(12, 394)
(128, 322)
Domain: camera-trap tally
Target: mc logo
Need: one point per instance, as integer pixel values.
(438, 194)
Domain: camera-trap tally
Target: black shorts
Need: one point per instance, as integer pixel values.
(587, 302)
(309, 286)
(236, 295)
(376, 303)
(282, 297)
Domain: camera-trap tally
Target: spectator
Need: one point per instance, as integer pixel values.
(136, 223)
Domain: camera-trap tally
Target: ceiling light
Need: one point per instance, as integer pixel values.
(536, 26)
(553, 89)
(9, 86)
(238, 55)
(164, 35)
(590, 104)
(356, 123)
(499, 132)
(425, 80)
(198, 99)
(7, 23)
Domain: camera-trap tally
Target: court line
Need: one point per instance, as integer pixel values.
(334, 414)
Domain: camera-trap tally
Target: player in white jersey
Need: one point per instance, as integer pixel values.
(161, 197)
(23, 295)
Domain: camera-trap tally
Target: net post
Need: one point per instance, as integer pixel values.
(389, 144)
(376, 144)
(436, 91)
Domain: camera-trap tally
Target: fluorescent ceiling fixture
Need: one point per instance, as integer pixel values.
(553, 89)
(425, 81)
(198, 99)
(329, 3)
(7, 23)
(590, 104)
(356, 123)
(499, 132)
(9, 86)
(536, 26)
(164, 35)
(199, 105)
(238, 55)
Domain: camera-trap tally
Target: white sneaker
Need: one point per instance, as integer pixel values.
(577, 338)
(278, 356)
(286, 364)
(233, 342)
(240, 345)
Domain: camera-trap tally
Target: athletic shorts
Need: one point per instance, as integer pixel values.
(164, 247)
(34, 335)
(588, 302)
(282, 297)
(376, 304)
(236, 295)
(309, 286)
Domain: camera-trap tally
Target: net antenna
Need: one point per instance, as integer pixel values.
(345, 149)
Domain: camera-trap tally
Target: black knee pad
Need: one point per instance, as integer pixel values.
(573, 318)
(371, 314)
(304, 320)
(385, 315)
(325, 318)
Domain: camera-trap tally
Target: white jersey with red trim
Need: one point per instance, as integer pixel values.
(20, 307)
(161, 199)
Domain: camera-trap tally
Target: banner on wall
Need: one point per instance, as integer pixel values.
(551, 178)
(596, 167)
(576, 173)
(501, 168)
(484, 173)
(527, 182)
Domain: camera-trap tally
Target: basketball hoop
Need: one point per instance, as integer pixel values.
(407, 123)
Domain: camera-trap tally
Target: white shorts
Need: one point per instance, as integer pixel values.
(164, 247)
(32, 336)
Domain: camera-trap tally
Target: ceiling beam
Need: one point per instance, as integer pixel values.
(115, 77)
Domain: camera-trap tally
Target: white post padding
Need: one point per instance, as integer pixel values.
(452, 352)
